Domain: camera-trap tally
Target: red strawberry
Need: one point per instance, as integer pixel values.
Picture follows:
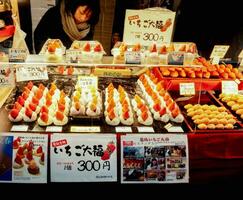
(25, 95)
(44, 117)
(44, 109)
(157, 107)
(87, 47)
(15, 144)
(39, 94)
(153, 48)
(126, 115)
(61, 107)
(70, 70)
(14, 113)
(162, 111)
(30, 85)
(61, 69)
(43, 157)
(163, 50)
(39, 150)
(171, 106)
(28, 112)
(41, 86)
(17, 106)
(106, 155)
(144, 116)
(111, 147)
(35, 100)
(21, 100)
(20, 152)
(32, 106)
(98, 48)
(18, 139)
(59, 115)
(29, 156)
(18, 160)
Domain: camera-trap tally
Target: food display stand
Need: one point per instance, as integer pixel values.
(215, 152)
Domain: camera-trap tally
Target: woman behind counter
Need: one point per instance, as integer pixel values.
(69, 20)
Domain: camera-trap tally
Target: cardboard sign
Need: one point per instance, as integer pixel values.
(83, 158)
(219, 51)
(24, 157)
(148, 26)
(17, 55)
(229, 87)
(187, 89)
(154, 158)
(28, 73)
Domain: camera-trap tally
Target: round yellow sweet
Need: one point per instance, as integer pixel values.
(211, 126)
(202, 126)
(219, 126)
(188, 106)
(229, 126)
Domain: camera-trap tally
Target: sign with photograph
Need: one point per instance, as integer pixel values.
(23, 158)
(17, 55)
(7, 77)
(154, 158)
(148, 26)
(30, 73)
(83, 158)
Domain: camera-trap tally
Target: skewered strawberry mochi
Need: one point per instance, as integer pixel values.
(15, 115)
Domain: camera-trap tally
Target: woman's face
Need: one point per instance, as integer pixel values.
(82, 14)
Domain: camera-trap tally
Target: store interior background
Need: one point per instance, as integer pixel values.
(204, 22)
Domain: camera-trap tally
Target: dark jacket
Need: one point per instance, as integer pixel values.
(50, 27)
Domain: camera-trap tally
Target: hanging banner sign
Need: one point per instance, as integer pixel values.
(154, 158)
(83, 158)
(148, 26)
(23, 158)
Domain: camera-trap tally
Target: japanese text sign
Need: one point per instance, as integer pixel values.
(17, 55)
(7, 76)
(148, 26)
(87, 82)
(219, 51)
(83, 158)
(23, 158)
(26, 73)
(187, 89)
(229, 87)
(154, 158)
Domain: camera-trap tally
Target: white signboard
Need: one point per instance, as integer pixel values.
(229, 87)
(87, 82)
(7, 76)
(219, 51)
(154, 158)
(83, 158)
(27, 73)
(23, 158)
(148, 26)
(187, 88)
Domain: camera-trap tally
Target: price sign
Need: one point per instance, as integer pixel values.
(148, 26)
(123, 129)
(187, 89)
(153, 158)
(219, 51)
(229, 87)
(54, 129)
(27, 73)
(73, 56)
(19, 165)
(133, 57)
(19, 128)
(241, 63)
(145, 129)
(17, 55)
(86, 82)
(83, 158)
(7, 76)
(85, 129)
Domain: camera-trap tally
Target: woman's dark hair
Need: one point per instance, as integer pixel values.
(94, 5)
